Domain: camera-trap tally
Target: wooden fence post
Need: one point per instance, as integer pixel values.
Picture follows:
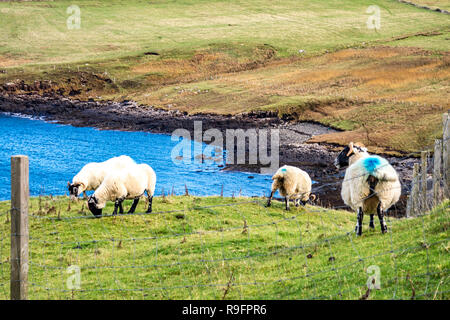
(445, 154)
(423, 183)
(19, 228)
(437, 172)
(415, 190)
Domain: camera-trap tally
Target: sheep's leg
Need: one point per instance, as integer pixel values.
(269, 202)
(297, 202)
(359, 221)
(381, 218)
(116, 205)
(150, 200)
(371, 224)
(120, 207)
(134, 205)
(286, 200)
(85, 195)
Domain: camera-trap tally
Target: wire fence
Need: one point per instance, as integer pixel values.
(226, 248)
(239, 249)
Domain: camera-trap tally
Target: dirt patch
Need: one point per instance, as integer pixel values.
(80, 84)
(11, 62)
(202, 65)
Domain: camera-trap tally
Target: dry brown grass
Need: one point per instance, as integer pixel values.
(11, 62)
(385, 91)
(389, 97)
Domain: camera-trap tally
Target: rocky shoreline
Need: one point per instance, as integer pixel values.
(129, 116)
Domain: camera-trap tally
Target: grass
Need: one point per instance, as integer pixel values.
(232, 57)
(433, 4)
(120, 28)
(224, 248)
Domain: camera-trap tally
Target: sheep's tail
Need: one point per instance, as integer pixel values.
(386, 175)
(373, 181)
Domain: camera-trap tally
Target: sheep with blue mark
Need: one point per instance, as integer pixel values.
(371, 185)
(130, 182)
(292, 183)
(93, 174)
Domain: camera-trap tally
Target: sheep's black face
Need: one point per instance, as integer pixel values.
(341, 160)
(92, 204)
(73, 189)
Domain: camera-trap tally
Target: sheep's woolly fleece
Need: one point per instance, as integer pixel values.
(292, 182)
(129, 183)
(355, 188)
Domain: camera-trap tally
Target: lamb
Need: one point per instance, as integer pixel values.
(292, 183)
(370, 184)
(128, 183)
(92, 175)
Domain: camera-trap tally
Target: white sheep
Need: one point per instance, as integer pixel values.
(370, 184)
(128, 183)
(292, 183)
(93, 174)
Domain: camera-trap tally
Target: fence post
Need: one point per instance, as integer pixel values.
(437, 172)
(445, 154)
(19, 228)
(415, 190)
(423, 183)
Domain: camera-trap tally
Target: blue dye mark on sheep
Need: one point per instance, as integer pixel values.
(372, 163)
(283, 170)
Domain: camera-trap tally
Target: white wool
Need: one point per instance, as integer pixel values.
(292, 182)
(355, 188)
(93, 174)
(128, 183)
(151, 178)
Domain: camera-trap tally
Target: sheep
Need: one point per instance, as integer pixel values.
(128, 183)
(92, 175)
(292, 183)
(370, 184)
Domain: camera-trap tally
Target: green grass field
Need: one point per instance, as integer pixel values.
(224, 248)
(36, 31)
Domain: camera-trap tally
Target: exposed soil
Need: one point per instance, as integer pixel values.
(316, 159)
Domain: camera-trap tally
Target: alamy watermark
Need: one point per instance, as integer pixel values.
(73, 282)
(73, 22)
(374, 20)
(374, 279)
(237, 142)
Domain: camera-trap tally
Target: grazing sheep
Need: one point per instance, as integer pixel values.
(92, 174)
(128, 183)
(370, 184)
(292, 183)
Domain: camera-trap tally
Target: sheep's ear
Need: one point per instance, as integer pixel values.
(312, 197)
(350, 151)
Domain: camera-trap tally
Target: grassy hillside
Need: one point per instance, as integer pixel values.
(433, 4)
(224, 248)
(37, 32)
(312, 60)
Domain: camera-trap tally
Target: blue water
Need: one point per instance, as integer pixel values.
(57, 152)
